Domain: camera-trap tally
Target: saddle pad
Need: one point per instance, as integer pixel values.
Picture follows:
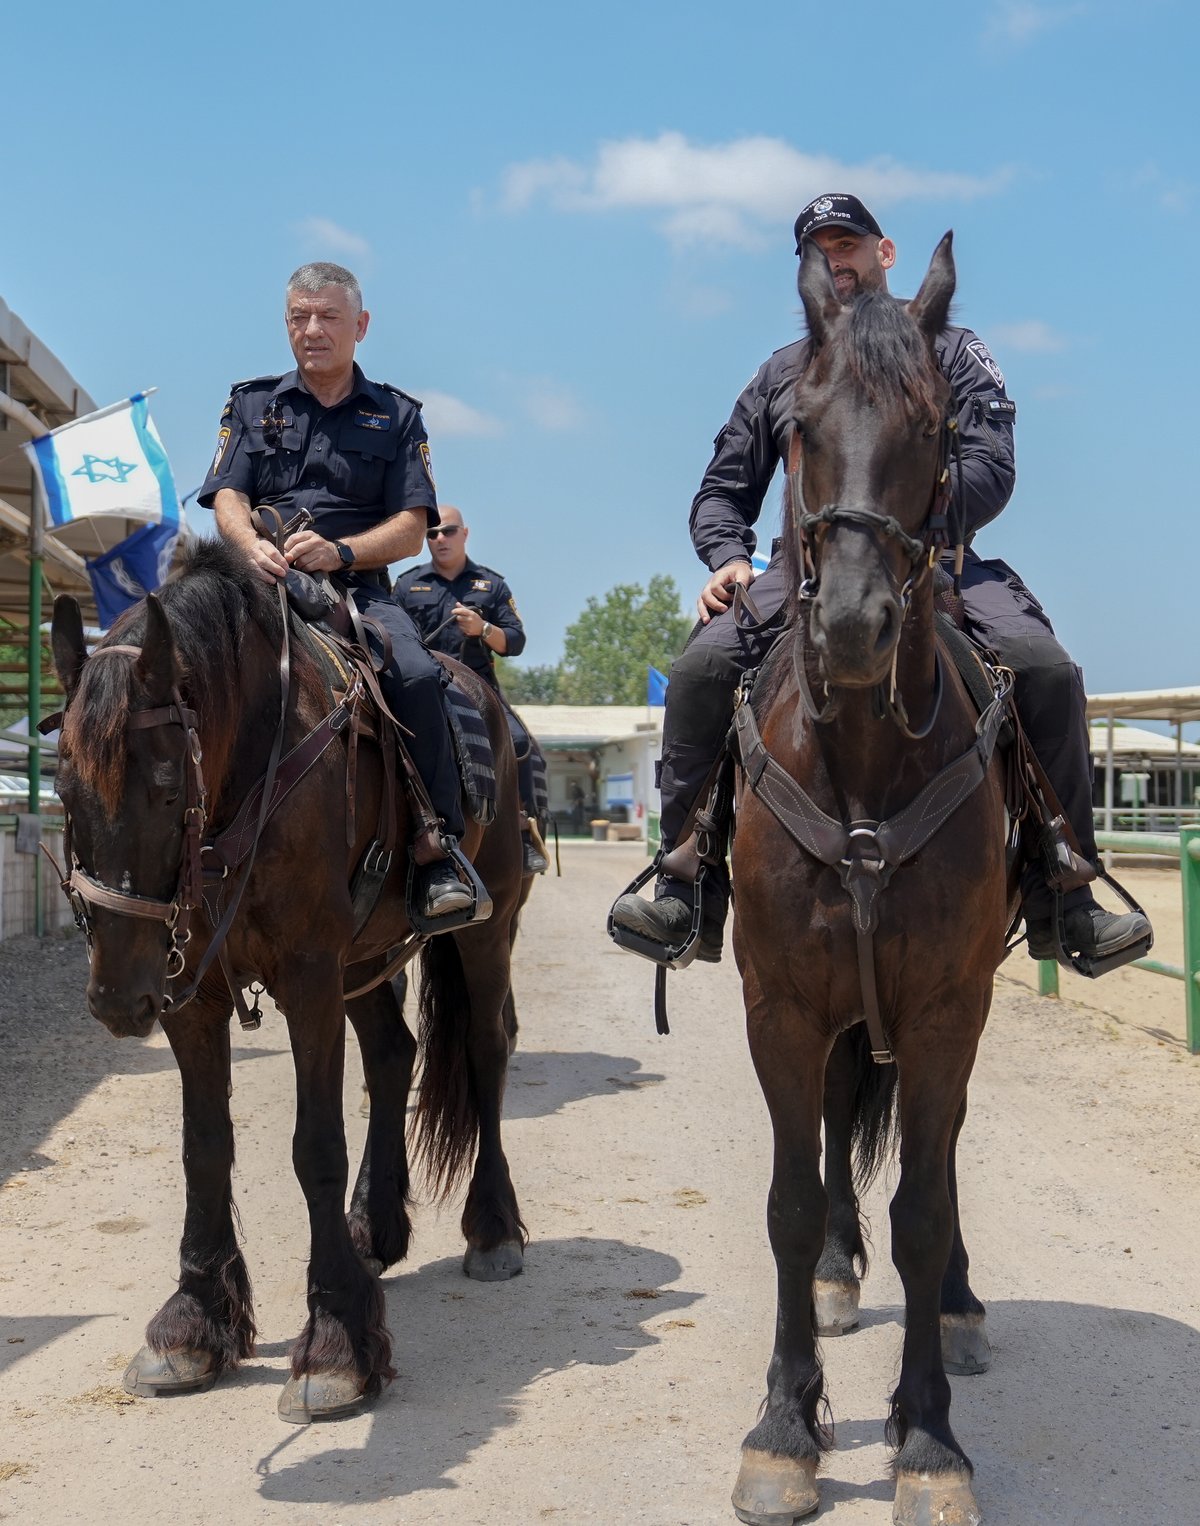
(473, 748)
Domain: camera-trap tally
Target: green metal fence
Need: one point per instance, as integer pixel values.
(1186, 849)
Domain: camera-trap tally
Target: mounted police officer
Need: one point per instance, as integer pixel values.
(354, 453)
(467, 611)
(1001, 613)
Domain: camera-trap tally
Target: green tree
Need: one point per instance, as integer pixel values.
(611, 646)
(538, 685)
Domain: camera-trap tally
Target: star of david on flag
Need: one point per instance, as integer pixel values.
(110, 462)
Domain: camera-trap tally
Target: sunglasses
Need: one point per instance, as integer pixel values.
(449, 531)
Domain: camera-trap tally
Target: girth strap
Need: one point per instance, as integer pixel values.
(867, 853)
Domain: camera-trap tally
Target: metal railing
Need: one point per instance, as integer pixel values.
(1184, 848)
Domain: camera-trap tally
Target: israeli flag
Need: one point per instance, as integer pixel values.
(111, 462)
(133, 568)
(760, 561)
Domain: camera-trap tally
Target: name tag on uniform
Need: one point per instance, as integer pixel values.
(421, 588)
(365, 419)
(480, 585)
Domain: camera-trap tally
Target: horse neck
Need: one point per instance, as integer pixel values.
(869, 761)
(237, 740)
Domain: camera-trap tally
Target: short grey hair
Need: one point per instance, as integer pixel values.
(314, 277)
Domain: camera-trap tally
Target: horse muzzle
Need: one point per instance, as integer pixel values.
(855, 638)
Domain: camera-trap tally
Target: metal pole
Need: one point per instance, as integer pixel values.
(1108, 786)
(1189, 873)
(34, 653)
(1179, 764)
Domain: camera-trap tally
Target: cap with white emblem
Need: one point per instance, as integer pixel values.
(837, 211)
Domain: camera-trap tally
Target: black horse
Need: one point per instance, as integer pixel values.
(891, 773)
(169, 726)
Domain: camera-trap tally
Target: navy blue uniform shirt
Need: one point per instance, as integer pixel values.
(351, 466)
(756, 439)
(429, 597)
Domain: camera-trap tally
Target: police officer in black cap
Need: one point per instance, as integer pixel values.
(354, 454)
(467, 611)
(1001, 612)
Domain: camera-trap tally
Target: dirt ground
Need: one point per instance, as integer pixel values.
(614, 1380)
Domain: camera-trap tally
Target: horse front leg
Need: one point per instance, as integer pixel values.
(966, 1349)
(207, 1326)
(933, 1473)
(379, 1221)
(342, 1357)
(777, 1480)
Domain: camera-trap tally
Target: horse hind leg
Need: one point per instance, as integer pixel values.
(966, 1349)
(379, 1221)
(207, 1325)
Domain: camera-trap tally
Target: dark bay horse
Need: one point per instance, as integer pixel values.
(868, 495)
(194, 673)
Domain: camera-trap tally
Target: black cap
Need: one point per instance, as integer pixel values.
(836, 211)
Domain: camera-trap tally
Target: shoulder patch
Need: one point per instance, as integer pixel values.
(427, 464)
(983, 355)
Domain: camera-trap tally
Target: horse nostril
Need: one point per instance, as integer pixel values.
(887, 629)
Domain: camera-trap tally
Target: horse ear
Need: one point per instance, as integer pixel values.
(817, 292)
(158, 667)
(930, 308)
(67, 642)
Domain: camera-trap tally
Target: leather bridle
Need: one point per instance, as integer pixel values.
(84, 892)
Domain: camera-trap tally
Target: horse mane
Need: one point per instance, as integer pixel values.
(212, 601)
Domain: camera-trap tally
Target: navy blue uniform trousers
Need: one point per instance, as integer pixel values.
(1001, 613)
(412, 684)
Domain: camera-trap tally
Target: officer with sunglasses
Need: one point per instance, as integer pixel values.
(354, 454)
(467, 611)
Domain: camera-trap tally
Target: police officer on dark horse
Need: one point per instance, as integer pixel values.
(1001, 613)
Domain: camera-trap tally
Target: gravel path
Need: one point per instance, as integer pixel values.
(614, 1380)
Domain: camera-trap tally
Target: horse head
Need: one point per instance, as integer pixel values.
(868, 448)
(126, 756)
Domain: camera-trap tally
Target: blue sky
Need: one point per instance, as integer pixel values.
(573, 229)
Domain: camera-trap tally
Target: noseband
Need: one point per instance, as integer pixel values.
(84, 892)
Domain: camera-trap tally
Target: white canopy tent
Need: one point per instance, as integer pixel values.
(1179, 707)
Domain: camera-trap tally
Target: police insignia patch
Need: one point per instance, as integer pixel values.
(367, 420)
(425, 462)
(222, 442)
(481, 585)
(984, 356)
(823, 206)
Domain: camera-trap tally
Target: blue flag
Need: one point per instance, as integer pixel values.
(133, 568)
(760, 561)
(656, 687)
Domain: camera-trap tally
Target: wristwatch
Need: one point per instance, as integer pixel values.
(344, 551)
(485, 632)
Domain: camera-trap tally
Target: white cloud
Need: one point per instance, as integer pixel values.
(330, 235)
(736, 193)
(1172, 195)
(553, 407)
(1013, 23)
(449, 416)
(1030, 335)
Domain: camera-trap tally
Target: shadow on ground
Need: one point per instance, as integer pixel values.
(466, 1351)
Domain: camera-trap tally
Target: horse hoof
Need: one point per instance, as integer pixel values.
(836, 1305)
(372, 1265)
(320, 1396)
(774, 1491)
(934, 1499)
(965, 1347)
(496, 1265)
(152, 1374)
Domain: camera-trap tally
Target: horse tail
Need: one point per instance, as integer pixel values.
(447, 1114)
(874, 1123)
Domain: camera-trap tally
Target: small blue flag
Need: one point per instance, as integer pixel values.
(656, 687)
(760, 561)
(133, 568)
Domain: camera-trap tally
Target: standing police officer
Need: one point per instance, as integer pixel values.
(467, 611)
(1001, 612)
(353, 453)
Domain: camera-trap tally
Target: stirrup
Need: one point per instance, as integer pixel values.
(670, 956)
(479, 910)
(1092, 969)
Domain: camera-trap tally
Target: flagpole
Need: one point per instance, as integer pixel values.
(89, 418)
(37, 540)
